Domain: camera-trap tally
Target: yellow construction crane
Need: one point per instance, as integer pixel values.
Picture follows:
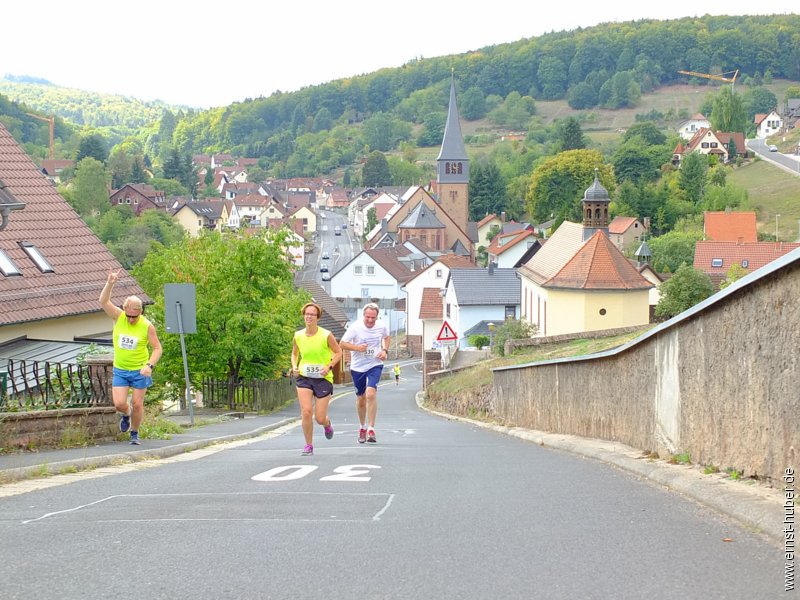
(52, 121)
(721, 77)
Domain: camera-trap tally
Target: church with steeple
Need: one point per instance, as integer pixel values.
(580, 281)
(437, 216)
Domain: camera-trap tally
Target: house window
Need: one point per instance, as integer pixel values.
(7, 267)
(448, 310)
(511, 312)
(357, 270)
(745, 263)
(37, 257)
(438, 273)
(704, 145)
(716, 262)
(713, 144)
(136, 201)
(370, 270)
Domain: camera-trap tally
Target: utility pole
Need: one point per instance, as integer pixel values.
(52, 122)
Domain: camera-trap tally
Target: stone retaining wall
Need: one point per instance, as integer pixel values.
(720, 382)
(54, 428)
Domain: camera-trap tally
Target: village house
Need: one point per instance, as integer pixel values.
(52, 267)
(138, 196)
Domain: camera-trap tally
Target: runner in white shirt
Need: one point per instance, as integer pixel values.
(368, 342)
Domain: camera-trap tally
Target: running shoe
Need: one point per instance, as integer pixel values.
(308, 450)
(362, 436)
(135, 438)
(329, 430)
(371, 436)
(124, 423)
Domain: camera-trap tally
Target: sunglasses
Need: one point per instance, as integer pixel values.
(132, 316)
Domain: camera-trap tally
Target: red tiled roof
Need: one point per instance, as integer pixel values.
(486, 219)
(431, 305)
(755, 255)
(722, 226)
(599, 265)
(79, 260)
(620, 225)
(508, 240)
(388, 259)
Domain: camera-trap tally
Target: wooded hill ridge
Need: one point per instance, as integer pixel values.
(326, 127)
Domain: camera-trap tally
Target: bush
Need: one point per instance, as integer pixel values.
(478, 340)
(511, 330)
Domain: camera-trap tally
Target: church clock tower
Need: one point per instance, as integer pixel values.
(452, 176)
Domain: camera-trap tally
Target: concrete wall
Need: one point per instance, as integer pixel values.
(720, 381)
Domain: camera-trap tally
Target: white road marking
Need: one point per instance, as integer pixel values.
(375, 517)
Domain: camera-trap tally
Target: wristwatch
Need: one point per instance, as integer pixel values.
(152, 366)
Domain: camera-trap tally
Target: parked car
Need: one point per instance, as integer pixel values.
(326, 277)
(323, 268)
(773, 148)
(325, 256)
(344, 225)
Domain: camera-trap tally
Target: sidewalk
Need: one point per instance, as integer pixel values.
(23, 465)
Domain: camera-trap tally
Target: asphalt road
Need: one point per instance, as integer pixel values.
(435, 509)
(340, 249)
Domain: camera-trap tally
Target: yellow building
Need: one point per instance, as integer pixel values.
(579, 281)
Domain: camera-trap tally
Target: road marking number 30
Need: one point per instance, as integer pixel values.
(291, 472)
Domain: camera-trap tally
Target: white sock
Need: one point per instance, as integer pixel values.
(363, 426)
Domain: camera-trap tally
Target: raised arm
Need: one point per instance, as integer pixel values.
(105, 296)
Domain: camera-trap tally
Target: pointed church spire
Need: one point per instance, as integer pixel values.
(453, 143)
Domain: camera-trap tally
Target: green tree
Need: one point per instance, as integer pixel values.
(433, 129)
(376, 170)
(89, 193)
(684, 289)
(472, 104)
(94, 146)
(557, 185)
(120, 166)
(648, 131)
(692, 176)
(728, 114)
(673, 249)
(759, 100)
(247, 307)
(569, 135)
(735, 273)
(372, 218)
(487, 191)
(511, 329)
(582, 96)
(552, 77)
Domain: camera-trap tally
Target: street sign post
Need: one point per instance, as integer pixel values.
(446, 333)
(180, 316)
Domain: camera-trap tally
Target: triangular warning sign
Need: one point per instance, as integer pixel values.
(446, 333)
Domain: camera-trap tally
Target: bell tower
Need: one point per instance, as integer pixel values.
(595, 208)
(452, 164)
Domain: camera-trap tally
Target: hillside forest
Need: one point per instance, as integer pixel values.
(554, 95)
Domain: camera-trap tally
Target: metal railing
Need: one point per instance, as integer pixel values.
(252, 395)
(36, 385)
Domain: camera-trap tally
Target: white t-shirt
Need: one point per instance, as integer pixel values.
(358, 334)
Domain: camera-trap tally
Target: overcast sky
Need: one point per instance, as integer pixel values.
(205, 53)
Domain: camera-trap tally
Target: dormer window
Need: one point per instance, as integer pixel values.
(716, 262)
(7, 267)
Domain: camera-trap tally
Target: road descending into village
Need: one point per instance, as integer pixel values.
(436, 509)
